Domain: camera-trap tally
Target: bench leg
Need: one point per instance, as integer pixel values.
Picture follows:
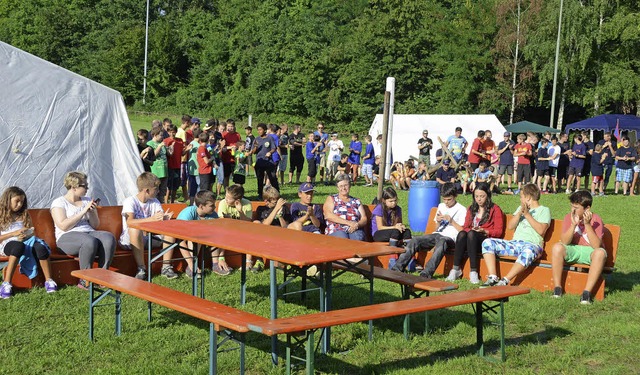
(118, 313)
(213, 349)
(288, 355)
(149, 248)
(243, 279)
(91, 306)
(370, 260)
(328, 278)
(273, 294)
(242, 351)
(480, 308)
(310, 354)
(479, 329)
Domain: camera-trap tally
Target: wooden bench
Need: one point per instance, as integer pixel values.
(538, 276)
(305, 325)
(223, 321)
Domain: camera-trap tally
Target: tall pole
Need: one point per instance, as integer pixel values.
(555, 69)
(388, 139)
(146, 47)
(385, 145)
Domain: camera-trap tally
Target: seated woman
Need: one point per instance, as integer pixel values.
(386, 220)
(343, 213)
(75, 219)
(484, 219)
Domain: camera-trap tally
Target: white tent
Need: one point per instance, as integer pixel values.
(54, 121)
(407, 129)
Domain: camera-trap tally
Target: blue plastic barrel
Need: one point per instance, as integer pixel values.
(423, 196)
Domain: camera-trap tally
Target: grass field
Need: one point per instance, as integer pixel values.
(48, 333)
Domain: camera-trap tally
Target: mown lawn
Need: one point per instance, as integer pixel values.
(48, 333)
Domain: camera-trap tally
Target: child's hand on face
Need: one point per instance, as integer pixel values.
(587, 216)
(238, 205)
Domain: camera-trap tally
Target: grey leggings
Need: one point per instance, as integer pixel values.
(88, 245)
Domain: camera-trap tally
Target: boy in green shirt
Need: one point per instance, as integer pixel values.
(233, 206)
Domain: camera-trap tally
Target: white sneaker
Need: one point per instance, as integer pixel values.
(474, 278)
(454, 275)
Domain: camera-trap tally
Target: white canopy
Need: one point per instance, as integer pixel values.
(407, 129)
(54, 121)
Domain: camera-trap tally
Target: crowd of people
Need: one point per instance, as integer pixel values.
(202, 162)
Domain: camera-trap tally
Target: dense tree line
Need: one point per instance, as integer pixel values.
(308, 60)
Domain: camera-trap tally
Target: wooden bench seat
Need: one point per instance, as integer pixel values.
(306, 325)
(223, 320)
(538, 276)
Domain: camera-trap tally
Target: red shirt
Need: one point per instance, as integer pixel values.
(204, 168)
(476, 146)
(489, 145)
(188, 136)
(494, 224)
(525, 149)
(580, 236)
(231, 139)
(174, 160)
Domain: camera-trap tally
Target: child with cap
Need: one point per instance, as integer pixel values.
(306, 216)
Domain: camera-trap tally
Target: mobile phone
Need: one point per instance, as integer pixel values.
(97, 201)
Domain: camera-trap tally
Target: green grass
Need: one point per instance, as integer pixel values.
(48, 333)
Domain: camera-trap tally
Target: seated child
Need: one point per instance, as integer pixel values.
(530, 221)
(386, 220)
(421, 173)
(306, 216)
(141, 208)
(482, 174)
(580, 242)
(450, 218)
(17, 240)
(204, 208)
(274, 212)
(234, 206)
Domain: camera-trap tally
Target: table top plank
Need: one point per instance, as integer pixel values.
(270, 242)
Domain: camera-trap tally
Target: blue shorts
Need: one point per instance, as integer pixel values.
(624, 175)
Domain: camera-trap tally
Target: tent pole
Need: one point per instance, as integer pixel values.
(146, 47)
(385, 130)
(555, 69)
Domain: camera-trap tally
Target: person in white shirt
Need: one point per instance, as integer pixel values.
(335, 147)
(554, 155)
(450, 218)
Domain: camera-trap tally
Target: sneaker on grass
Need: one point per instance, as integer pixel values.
(142, 273)
(474, 278)
(50, 286)
(189, 273)
(502, 282)
(557, 292)
(492, 280)
(5, 290)
(83, 284)
(215, 268)
(258, 266)
(584, 300)
(454, 275)
(168, 272)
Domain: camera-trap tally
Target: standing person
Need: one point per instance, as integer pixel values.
(636, 171)
(386, 220)
(231, 139)
(160, 167)
(248, 143)
(166, 124)
(476, 154)
(522, 150)
(147, 153)
(142, 208)
(505, 164)
(597, 170)
(344, 214)
(490, 152)
(425, 144)
(283, 149)
(192, 166)
(580, 242)
(324, 137)
(17, 240)
(205, 162)
(578, 156)
(335, 147)
(609, 147)
(483, 219)
(530, 221)
(75, 218)
(187, 138)
(355, 149)
(263, 148)
(368, 159)
(554, 160)
(296, 142)
(457, 144)
(625, 155)
(377, 145)
(586, 169)
(175, 150)
(450, 218)
(563, 163)
(542, 165)
(312, 154)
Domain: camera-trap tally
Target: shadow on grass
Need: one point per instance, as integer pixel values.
(492, 348)
(618, 281)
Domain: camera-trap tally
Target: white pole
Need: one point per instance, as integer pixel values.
(391, 87)
(555, 70)
(250, 121)
(146, 46)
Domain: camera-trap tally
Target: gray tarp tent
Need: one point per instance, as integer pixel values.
(528, 126)
(54, 121)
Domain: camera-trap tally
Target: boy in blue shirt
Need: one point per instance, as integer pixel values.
(307, 217)
(368, 161)
(578, 156)
(313, 148)
(203, 209)
(355, 149)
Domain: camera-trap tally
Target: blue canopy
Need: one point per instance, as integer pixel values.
(606, 123)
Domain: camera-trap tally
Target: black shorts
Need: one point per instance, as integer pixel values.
(524, 173)
(542, 172)
(553, 171)
(206, 180)
(174, 181)
(228, 169)
(573, 171)
(505, 168)
(312, 170)
(296, 162)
